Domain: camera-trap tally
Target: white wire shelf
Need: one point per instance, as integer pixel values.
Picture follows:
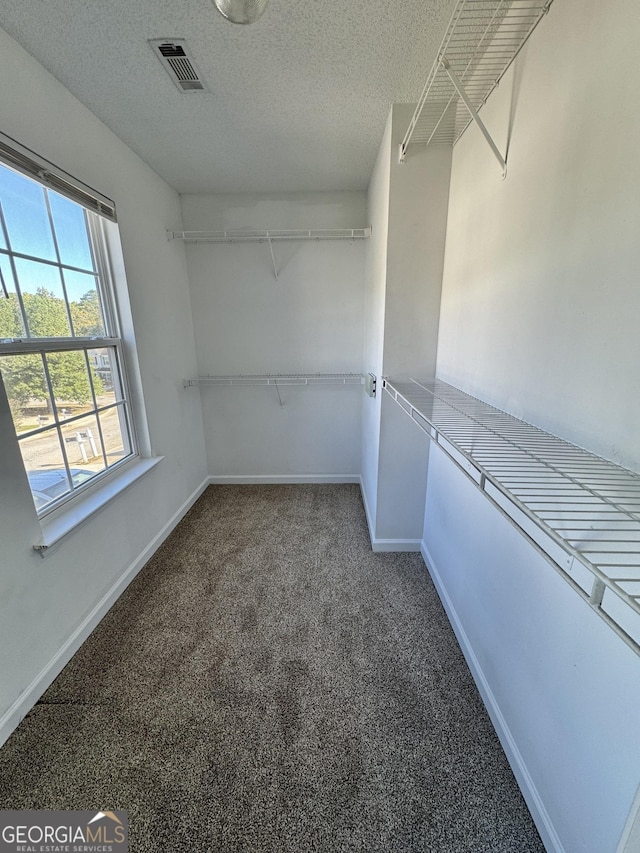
(279, 380)
(271, 236)
(580, 511)
(254, 236)
(482, 40)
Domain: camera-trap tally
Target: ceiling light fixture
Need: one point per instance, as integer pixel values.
(241, 11)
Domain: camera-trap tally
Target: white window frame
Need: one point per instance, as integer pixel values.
(64, 514)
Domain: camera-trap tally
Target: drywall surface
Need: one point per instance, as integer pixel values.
(308, 320)
(563, 686)
(540, 294)
(374, 310)
(418, 199)
(44, 601)
(403, 302)
(539, 317)
(402, 478)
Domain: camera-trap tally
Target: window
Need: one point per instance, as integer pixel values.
(61, 354)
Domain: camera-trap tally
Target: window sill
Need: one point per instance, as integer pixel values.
(60, 524)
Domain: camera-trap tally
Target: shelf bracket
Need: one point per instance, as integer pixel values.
(474, 114)
(273, 260)
(597, 593)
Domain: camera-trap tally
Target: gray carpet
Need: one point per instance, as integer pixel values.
(267, 683)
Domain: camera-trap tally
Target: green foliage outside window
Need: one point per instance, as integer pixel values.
(47, 317)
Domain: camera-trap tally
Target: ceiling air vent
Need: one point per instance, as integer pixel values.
(176, 61)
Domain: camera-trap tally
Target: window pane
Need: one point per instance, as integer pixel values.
(69, 410)
(26, 216)
(83, 445)
(11, 324)
(44, 464)
(71, 232)
(43, 299)
(104, 371)
(115, 433)
(26, 387)
(84, 304)
(70, 383)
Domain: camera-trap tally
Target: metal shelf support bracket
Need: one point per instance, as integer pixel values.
(481, 42)
(273, 261)
(474, 114)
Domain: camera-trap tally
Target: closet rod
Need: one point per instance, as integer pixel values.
(260, 236)
(264, 379)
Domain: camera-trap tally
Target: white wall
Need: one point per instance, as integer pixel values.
(309, 320)
(44, 602)
(563, 690)
(419, 191)
(539, 316)
(374, 310)
(540, 300)
(402, 480)
(408, 206)
(418, 199)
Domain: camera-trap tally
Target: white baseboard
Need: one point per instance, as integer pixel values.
(530, 793)
(380, 545)
(274, 479)
(28, 698)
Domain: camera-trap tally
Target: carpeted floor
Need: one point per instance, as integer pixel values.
(267, 683)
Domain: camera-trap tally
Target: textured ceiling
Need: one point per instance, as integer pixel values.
(297, 101)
